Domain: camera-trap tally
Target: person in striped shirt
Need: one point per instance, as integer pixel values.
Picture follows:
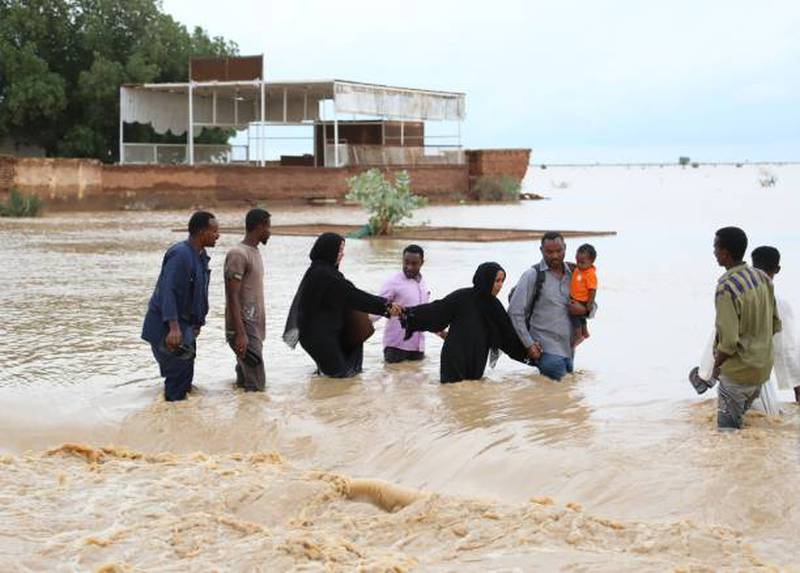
(746, 320)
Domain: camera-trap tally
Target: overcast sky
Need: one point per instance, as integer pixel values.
(574, 80)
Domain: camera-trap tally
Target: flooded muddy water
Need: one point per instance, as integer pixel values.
(619, 467)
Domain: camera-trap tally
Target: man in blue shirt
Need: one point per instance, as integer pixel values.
(179, 305)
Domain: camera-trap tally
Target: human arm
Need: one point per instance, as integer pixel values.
(233, 292)
(358, 299)
(388, 292)
(174, 336)
(433, 316)
(777, 325)
(174, 276)
(591, 287)
(235, 269)
(727, 325)
(518, 309)
(510, 342)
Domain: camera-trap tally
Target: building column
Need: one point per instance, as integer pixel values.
(261, 146)
(121, 132)
(190, 130)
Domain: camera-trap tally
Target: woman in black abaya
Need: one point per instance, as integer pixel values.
(322, 308)
(479, 326)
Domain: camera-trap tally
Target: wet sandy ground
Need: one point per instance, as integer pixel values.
(618, 468)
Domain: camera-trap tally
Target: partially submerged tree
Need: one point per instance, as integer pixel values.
(387, 203)
(62, 63)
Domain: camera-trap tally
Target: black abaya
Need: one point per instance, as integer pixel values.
(478, 324)
(318, 311)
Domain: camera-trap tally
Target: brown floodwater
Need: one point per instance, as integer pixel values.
(618, 467)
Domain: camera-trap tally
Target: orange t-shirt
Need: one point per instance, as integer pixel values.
(582, 283)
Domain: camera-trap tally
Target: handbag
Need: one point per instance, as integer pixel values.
(357, 328)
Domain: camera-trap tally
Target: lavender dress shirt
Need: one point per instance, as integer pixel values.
(406, 292)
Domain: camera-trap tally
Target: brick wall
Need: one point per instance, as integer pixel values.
(90, 185)
(167, 186)
(511, 162)
(58, 180)
(8, 165)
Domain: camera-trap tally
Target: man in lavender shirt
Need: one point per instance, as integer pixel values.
(406, 288)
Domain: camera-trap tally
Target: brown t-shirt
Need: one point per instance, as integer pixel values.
(244, 264)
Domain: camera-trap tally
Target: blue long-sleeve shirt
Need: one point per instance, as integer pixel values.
(181, 294)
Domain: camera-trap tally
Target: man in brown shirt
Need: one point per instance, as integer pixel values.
(244, 302)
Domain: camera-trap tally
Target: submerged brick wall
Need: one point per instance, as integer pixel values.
(90, 185)
(166, 186)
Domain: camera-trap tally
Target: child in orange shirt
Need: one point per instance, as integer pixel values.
(583, 288)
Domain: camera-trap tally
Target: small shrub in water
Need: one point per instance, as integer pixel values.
(387, 203)
(19, 205)
(494, 188)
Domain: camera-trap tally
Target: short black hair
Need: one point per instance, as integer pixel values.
(733, 240)
(414, 249)
(588, 249)
(255, 217)
(199, 221)
(552, 236)
(768, 259)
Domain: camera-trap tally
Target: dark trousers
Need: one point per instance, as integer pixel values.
(177, 373)
(250, 377)
(392, 355)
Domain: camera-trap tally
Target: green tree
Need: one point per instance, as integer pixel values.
(62, 63)
(387, 203)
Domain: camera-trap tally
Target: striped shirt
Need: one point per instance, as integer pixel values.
(746, 319)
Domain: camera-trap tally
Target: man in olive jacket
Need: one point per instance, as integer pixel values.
(746, 320)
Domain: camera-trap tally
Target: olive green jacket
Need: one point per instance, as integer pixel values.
(747, 318)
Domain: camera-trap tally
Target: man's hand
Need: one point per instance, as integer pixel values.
(719, 360)
(196, 331)
(174, 336)
(240, 344)
(395, 309)
(535, 351)
(442, 334)
(577, 308)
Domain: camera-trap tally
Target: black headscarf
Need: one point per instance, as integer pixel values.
(494, 315)
(484, 277)
(323, 257)
(326, 248)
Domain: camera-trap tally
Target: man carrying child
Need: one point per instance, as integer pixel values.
(541, 309)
